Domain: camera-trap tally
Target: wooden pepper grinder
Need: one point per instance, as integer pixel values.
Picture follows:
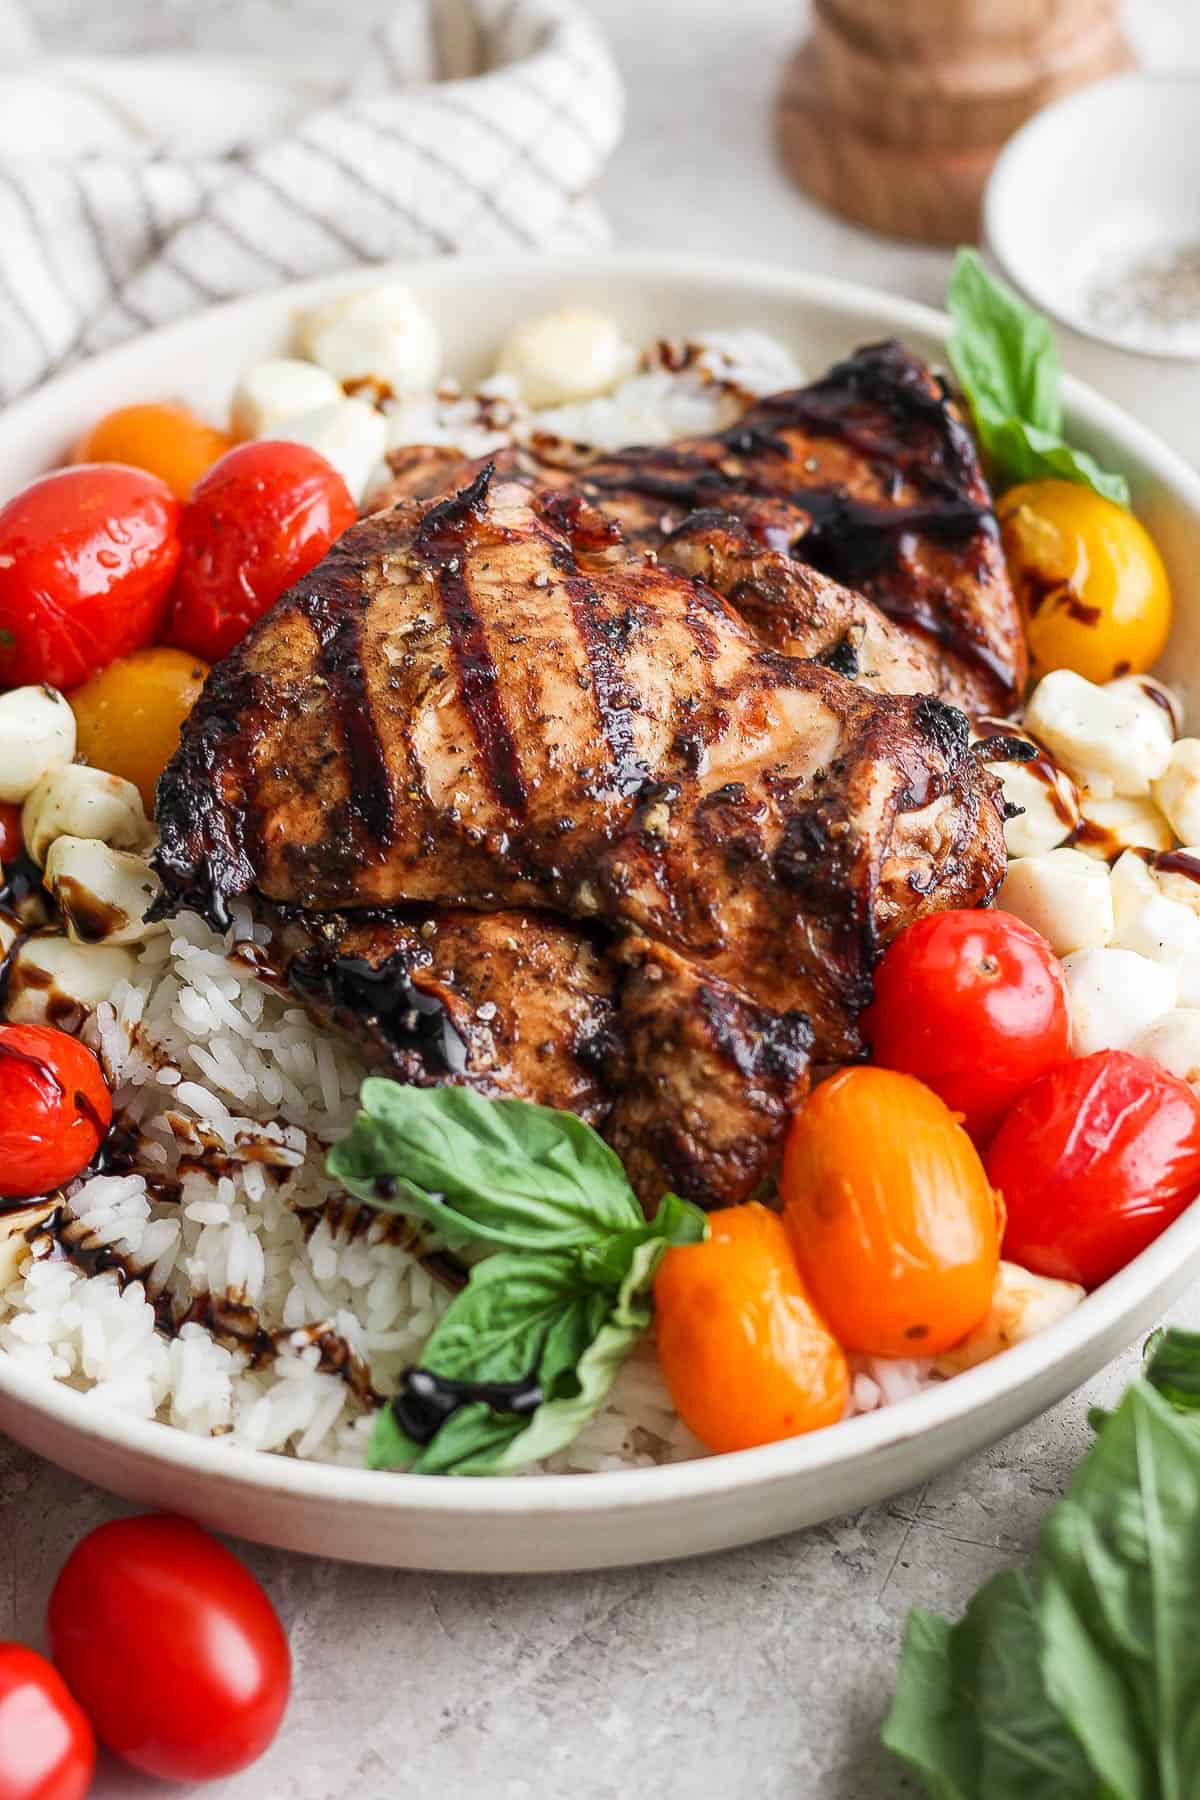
(893, 111)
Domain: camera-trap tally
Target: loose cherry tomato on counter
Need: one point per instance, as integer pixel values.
(87, 559)
(128, 718)
(47, 1747)
(55, 1109)
(974, 1004)
(1092, 586)
(890, 1214)
(743, 1351)
(1093, 1162)
(12, 843)
(258, 521)
(171, 1645)
(169, 440)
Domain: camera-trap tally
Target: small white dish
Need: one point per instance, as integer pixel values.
(552, 1522)
(1090, 196)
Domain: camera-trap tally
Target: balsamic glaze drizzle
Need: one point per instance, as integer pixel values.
(426, 1401)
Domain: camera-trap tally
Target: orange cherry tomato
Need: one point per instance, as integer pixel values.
(162, 436)
(890, 1214)
(743, 1351)
(127, 718)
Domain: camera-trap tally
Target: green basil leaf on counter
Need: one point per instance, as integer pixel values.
(1119, 1585)
(1173, 1367)
(1085, 1682)
(524, 1356)
(1006, 361)
(971, 1716)
(503, 1172)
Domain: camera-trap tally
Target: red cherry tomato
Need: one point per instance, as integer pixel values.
(259, 520)
(55, 1109)
(172, 1647)
(47, 1749)
(974, 1005)
(1093, 1162)
(87, 558)
(12, 841)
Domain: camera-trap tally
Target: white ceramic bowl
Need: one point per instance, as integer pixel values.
(590, 1521)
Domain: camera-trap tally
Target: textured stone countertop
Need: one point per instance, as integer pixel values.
(762, 1674)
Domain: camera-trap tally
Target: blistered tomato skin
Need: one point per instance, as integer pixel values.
(87, 559)
(47, 1747)
(1094, 1161)
(163, 437)
(172, 1648)
(55, 1109)
(259, 520)
(1092, 586)
(890, 1214)
(745, 1355)
(128, 718)
(974, 1004)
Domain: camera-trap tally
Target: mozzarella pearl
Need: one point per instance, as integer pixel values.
(103, 894)
(1064, 895)
(572, 354)
(1114, 740)
(1114, 995)
(77, 801)
(1177, 791)
(1173, 1042)
(1022, 1305)
(381, 337)
(50, 974)
(37, 734)
(277, 390)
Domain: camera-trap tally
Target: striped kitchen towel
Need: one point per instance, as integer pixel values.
(135, 189)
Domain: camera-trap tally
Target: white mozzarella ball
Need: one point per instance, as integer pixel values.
(103, 894)
(1181, 883)
(1049, 802)
(1115, 740)
(381, 337)
(1147, 921)
(350, 435)
(280, 389)
(1177, 791)
(78, 801)
(1120, 823)
(572, 354)
(1173, 1042)
(1147, 689)
(1113, 995)
(37, 734)
(53, 981)
(1022, 1305)
(1062, 894)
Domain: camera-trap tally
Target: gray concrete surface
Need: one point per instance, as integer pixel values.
(758, 1675)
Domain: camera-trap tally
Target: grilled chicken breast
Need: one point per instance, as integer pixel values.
(868, 476)
(460, 708)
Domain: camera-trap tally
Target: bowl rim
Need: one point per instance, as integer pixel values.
(1009, 179)
(1164, 1265)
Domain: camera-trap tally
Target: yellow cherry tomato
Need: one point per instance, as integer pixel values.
(894, 1225)
(1092, 586)
(168, 439)
(127, 718)
(745, 1355)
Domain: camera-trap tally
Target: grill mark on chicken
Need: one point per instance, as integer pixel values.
(614, 702)
(370, 799)
(441, 538)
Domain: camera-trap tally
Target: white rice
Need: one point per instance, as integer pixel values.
(301, 1306)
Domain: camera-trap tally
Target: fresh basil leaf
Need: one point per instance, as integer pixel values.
(1172, 1365)
(503, 1172)
(1118, 1580)
(676, 1222)
(473, 1431)
(1026, 453)
(1006, 361)
(971, 1717)
(1003, 351)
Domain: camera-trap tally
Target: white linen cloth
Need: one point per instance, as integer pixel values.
(134, 189)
